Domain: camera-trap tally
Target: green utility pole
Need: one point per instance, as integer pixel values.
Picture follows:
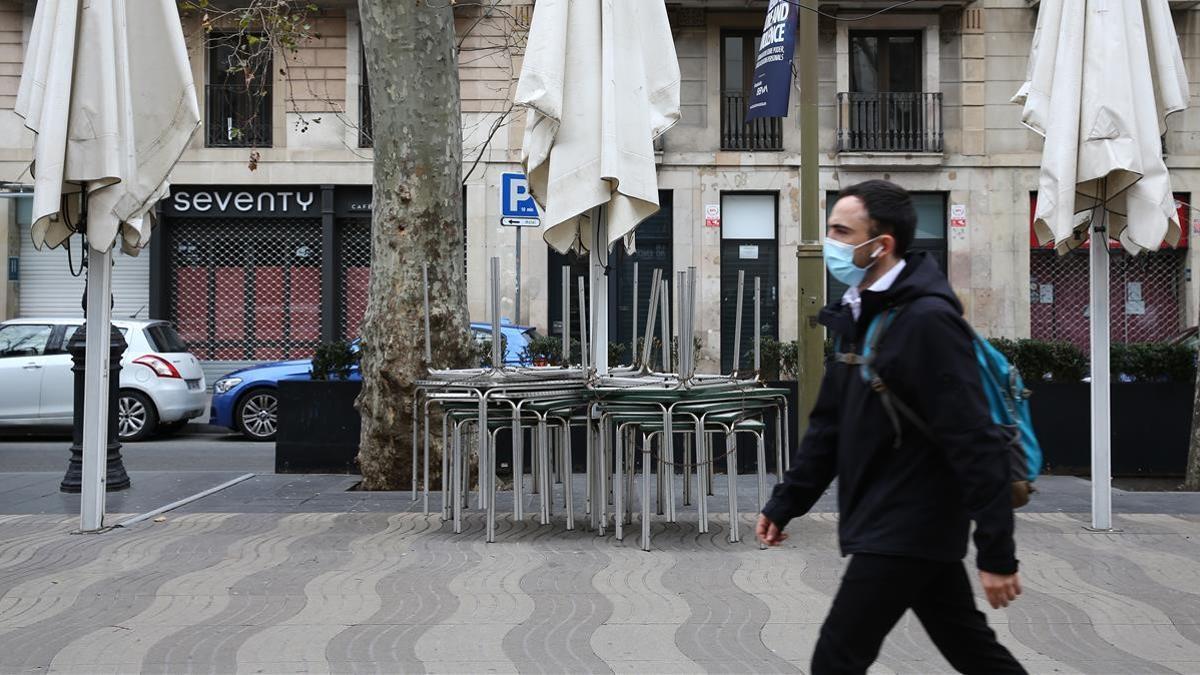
(810, 266)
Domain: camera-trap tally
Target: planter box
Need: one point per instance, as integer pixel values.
(318, 427)
(1151, 426)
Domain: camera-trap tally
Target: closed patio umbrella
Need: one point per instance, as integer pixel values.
(107, 89)
(600, 81)
(1103, 76)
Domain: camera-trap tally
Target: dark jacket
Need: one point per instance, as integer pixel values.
(916, 500)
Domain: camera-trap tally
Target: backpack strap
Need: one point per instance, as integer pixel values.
(892, 405)
(875, 333)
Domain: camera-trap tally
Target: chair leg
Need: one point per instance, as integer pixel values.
(602, 476)
(762, 475)
(701, 470)
(518, 468)
(619, 485)
(589, 469)
(669, 466)
(568, 491)
(488, 480)
(646, 461)
(446, 452)
(456, 479)
(731, 474)
(687, 470)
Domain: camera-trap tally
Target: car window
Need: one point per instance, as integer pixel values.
(24, 339)
(164, 338)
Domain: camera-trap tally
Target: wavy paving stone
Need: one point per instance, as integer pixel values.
(567, 609)
(50, 555)
(42, 598)
(414, 598)
(336, 599)
(190, 615)
(639, 635)
(491, 603)
(725, 623)
(1130, 624)
(268, 597)
(373, 593)
(65, 613)
(118, 604)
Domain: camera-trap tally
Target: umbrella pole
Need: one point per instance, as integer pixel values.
(1101, 401)
(95, 389)
(599, 291)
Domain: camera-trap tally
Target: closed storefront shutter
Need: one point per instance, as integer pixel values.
(246, 290)
(48, 289)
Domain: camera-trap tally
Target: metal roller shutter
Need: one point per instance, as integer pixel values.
(47, 288)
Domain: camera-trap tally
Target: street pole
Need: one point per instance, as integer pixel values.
(517, 318)
(810, 266)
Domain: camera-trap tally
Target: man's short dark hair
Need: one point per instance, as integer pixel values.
(890, 209)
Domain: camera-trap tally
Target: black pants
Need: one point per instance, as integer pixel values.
(876, 591)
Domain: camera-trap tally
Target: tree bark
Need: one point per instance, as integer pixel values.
(412, 68)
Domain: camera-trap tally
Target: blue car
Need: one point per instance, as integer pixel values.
(246, 400)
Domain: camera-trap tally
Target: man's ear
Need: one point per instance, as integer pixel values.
(887, 245)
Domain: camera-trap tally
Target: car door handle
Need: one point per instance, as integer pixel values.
(31, 366)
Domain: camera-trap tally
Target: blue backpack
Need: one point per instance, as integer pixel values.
(1007, 397)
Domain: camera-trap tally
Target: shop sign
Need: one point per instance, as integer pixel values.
(215, 202)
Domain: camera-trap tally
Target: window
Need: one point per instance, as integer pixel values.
(238, 96)
(930, 236)
(24, 339)
(885, 109)
(885, 62)
(163, 338)
(738, 54)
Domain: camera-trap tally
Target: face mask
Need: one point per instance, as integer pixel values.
(839, 260)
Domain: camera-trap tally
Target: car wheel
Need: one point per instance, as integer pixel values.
(257, 415)
(136, 416)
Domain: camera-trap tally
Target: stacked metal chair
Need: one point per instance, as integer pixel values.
(629, 414)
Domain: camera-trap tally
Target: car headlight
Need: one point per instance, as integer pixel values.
(225, 384)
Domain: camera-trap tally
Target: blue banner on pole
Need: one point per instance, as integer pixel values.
(771, 90)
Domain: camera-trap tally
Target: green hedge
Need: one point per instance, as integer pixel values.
(1040, 360)
(1054, 361)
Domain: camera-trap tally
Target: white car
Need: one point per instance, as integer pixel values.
(162, 386)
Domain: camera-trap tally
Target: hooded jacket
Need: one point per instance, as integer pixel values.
(918, 498)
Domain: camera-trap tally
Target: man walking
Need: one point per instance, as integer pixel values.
(906, 501)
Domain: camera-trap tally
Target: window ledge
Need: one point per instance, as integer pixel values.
(899, 161)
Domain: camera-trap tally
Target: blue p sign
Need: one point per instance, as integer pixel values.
(517, 207)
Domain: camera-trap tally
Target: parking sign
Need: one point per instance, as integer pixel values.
(517, 207)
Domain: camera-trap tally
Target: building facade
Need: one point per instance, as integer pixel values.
(264, 263)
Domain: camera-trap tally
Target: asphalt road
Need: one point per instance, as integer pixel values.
(195, 448)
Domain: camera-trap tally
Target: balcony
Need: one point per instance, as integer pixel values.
(889, 122)
(238, 116)
(738, 134)
(365, 139)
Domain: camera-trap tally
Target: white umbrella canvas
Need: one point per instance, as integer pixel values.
(1103, 76)
(107, 89)
(600, 81)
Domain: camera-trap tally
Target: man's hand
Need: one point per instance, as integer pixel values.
(1001, 589)
(768, 533)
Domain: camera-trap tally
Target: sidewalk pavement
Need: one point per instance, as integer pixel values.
(291, 575)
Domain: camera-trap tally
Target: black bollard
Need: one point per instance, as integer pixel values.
(116, 478)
